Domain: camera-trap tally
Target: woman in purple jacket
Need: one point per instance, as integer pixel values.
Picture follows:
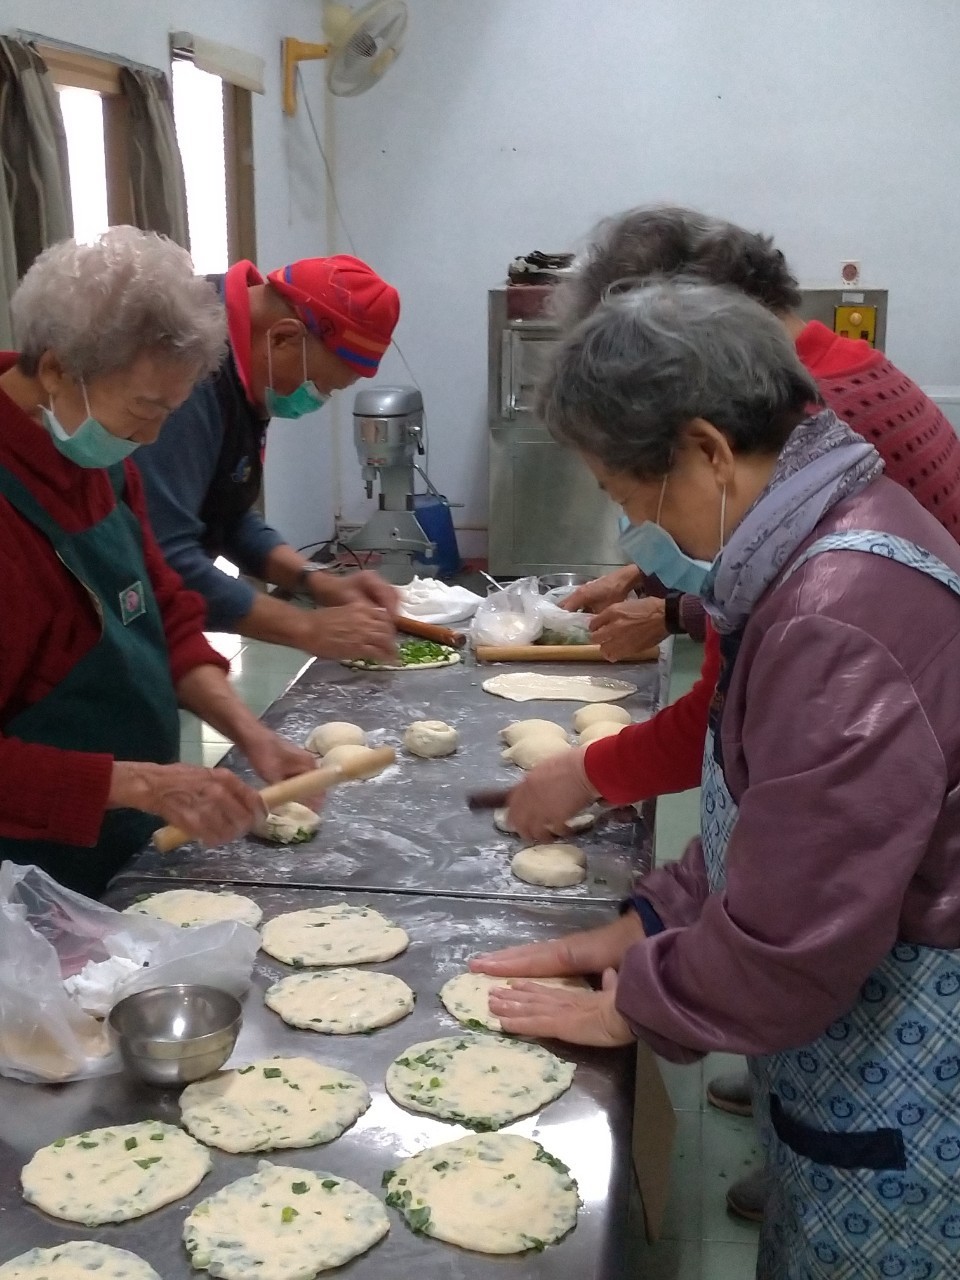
(815, 924)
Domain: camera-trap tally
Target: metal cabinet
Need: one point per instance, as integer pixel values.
(547, 512)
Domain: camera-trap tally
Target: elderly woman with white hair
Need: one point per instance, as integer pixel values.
(100, 640)
(815, 924)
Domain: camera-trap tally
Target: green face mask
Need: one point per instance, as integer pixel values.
(305, 399)
(91, 445)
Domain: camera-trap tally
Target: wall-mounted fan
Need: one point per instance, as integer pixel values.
(362, 45)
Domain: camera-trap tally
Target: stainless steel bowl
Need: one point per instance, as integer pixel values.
(172, 1035)
(550, 581)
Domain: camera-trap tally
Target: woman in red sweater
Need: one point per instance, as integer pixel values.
(100, 641)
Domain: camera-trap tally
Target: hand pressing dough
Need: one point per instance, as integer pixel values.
(283, 1223)
(467, 997)
(76, 1259)
(490, 1192)
(525, 728)
(289, 823)
(579, 822)
(557, 866)
(347, 754)
(533, 750)
(431, 738)
(197, 906)
(600, 714)
(336, 733)
(601, 729)
(531, 686)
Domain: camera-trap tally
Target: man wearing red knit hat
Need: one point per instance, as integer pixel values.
(307, 330)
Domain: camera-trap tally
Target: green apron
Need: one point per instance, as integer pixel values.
(118, 700)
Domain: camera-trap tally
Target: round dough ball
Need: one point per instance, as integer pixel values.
(533, 750)
(579, 822)
(289, 823)
(602, 729)
(555, 865)
(336, 733)
(599, 713)
(524, 728)
(346, 755)
(431, 738)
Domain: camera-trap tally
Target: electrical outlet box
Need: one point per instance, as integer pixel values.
(858, 321)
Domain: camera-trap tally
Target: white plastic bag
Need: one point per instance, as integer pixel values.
(510, 616)
(49, 933)
(430, 600)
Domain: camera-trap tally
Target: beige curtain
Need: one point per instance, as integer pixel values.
(158, 192)
(35, 208)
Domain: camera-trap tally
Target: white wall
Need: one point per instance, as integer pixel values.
(290, 192)
(510, 125)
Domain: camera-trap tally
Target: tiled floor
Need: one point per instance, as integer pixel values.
(700, 1240)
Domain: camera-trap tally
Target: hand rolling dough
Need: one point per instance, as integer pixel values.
(430, 739)
(524, 728)
(555, 865)
(335, 733)
(534, 749)
(601, 713)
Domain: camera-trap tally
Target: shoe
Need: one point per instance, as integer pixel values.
(748, 1198)
(731, 1093)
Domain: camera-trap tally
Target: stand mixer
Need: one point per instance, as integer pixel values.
(388, 434)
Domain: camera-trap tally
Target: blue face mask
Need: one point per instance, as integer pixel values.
(305, 399)
(656, 553)
(91, 445)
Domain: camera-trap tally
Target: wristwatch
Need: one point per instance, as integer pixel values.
(671, 613)
(305, 572)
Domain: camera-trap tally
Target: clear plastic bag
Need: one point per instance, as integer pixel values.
(510, 616)
(48, 934)
(559, 625)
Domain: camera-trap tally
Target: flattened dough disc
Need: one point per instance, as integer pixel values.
(530, 686)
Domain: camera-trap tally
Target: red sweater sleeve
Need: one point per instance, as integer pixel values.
(183, 611)
(663, 754)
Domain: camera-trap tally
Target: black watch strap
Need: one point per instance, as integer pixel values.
(671, 613)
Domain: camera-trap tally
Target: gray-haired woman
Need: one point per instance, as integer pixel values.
(815, 924)
(100, 641)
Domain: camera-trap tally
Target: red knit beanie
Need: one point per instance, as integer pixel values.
(345, 304)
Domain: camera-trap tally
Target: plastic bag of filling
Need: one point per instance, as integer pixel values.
(510, 616)
(561, 626)
(51, 937)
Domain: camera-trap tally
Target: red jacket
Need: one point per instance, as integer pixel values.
(49, 624)
(920, 450)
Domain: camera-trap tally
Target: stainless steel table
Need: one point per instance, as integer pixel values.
(588, 1127)
(409, 830)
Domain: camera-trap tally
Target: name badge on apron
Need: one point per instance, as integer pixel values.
(132, 604)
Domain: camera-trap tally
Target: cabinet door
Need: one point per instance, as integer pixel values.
(524, 360)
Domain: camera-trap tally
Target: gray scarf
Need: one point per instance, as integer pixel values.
(822, 463)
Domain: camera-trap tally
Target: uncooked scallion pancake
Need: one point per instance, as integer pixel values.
(480, 1081)
(531, 686)
(76, 1259)
(197, 906)
(467, 997)
(283, 1223)
(339, 934)
(111, 1175)
(340, 1001)
(493, 1192)
(277, 1102)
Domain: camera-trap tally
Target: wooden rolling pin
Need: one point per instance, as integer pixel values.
(430, 631)
(312, 783)
(552, 653)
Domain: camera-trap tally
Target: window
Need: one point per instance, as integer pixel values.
(214, 132)
(94, 118)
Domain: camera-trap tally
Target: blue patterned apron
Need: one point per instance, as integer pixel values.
(861, 1128)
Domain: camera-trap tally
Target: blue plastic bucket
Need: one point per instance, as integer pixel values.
(433, 513)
